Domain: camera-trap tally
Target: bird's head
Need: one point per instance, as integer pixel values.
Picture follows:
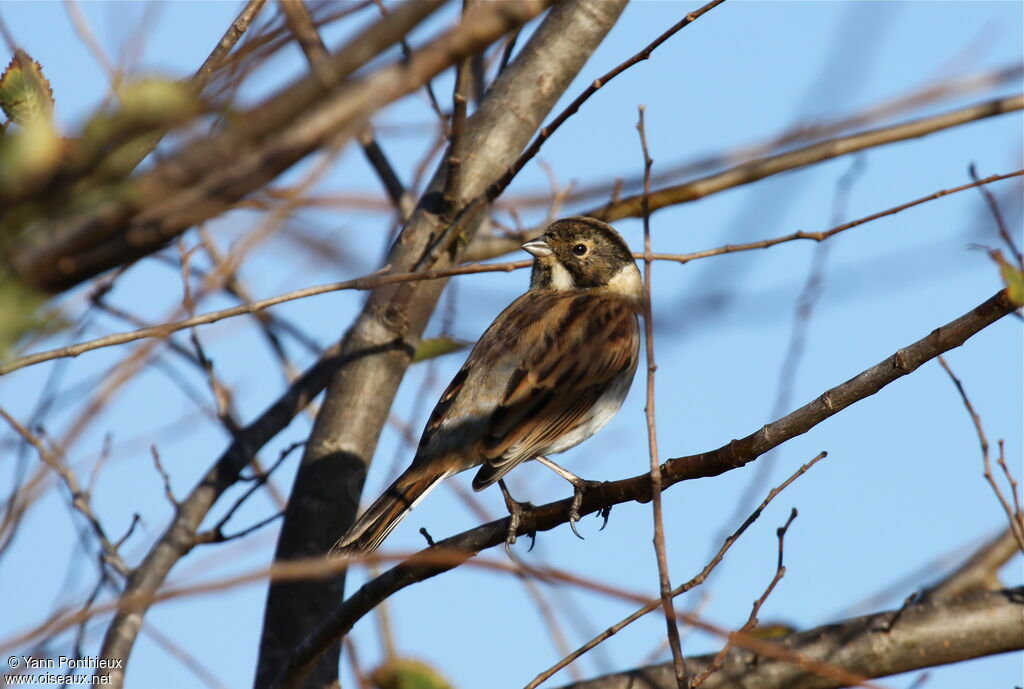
(583, 253)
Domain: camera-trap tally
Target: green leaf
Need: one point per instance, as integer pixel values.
(23, 313)
(405, 673)
(25, 94)
(1013, 277)
(437, 346)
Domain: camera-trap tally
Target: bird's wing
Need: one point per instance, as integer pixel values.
(565, 361)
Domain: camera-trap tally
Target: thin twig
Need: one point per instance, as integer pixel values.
(268, 323)
(428, 85)
(752, 621)
(79, 499)
(364, 283)
(352, 654)
(506, 51)
(228, 41)
(682, 588)
(216, 533)
(319, 567)
(1001, 461)
(267, 41)
(1015, 517)
(545, 133)
(302, 25)
(164, 476)
(822, 236)
(88, 37)
(664, 582)
(173, 648)
(296, 667)
(997, 215)
(400, 197)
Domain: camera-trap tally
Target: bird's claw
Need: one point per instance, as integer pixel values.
(579, 487)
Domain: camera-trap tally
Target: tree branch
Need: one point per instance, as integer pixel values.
(926, 634)
(325, 495)
(755, 170)
(664, 580)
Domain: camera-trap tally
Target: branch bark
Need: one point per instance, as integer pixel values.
(924, 635)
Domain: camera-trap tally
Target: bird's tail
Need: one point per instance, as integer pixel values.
(380, 518)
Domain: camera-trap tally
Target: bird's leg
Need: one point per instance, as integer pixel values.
(515, 513)
(579, 486)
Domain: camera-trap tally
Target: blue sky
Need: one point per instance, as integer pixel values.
(901, 488)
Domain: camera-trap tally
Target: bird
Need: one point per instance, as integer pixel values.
(551, 370)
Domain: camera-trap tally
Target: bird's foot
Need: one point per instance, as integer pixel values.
(516, 510)
(579, 487)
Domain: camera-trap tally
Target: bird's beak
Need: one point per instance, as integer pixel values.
(537, 247)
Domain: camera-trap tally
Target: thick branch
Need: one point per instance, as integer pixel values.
(735, 454)
(326, 491)
(924, 635)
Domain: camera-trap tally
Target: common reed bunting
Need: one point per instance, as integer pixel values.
(548, 373)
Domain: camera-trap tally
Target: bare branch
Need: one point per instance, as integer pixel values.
(822, 236)
(302, 25)
(928, 634)
(746, 173)
(79, 498)
(682, 588)
(780, 571)
(168, 493)
(499, 186)
(231, 37)
(997, 215)
(664, 582)
(1015, 517)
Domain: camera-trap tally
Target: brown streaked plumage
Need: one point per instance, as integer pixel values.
(549, 372)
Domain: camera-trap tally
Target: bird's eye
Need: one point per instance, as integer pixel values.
(580, 249)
